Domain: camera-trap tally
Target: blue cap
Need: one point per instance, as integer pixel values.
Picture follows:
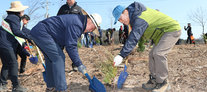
(117, 12)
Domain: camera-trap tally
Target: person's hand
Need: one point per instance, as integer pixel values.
(118, 60)
(82, 69)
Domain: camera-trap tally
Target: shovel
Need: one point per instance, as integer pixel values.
(123, 76)
(33, 59)
(43, 64)
(95, 84)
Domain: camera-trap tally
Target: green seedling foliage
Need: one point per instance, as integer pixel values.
(141, 46)
(109, 71)
(79, 44)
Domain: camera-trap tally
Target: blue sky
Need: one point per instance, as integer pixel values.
(177, 9)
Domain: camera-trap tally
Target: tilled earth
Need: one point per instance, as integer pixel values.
(187, 70)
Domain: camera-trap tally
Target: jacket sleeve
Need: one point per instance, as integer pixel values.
(138, 28)
(26, 31)
(15, 27)
(71, 39)
(60, 11)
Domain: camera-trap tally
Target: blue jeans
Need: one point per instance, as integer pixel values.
(55, 62)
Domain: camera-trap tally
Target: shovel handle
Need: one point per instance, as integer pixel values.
(30, 52)
(88, 77)
(126, 62)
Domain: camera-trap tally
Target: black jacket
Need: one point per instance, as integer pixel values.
(189, 32)
(8, 40)
(66, 9)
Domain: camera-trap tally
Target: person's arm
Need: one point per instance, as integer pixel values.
(138, 30)
(15, 27)
(26, 31)
(71, 38)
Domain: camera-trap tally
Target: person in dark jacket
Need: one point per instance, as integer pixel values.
(8, 46)
(126, 32)
(189, 33)
(54, 33)
(121, 34)
(109, 35)
(100, 34)
(153, 25)
(70, 7)
(21, 51)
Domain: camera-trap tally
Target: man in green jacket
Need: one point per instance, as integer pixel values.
(152, 25)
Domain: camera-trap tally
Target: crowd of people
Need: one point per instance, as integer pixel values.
(54, 34)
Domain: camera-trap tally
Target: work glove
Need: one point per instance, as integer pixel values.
(118, 60)
(82, 69)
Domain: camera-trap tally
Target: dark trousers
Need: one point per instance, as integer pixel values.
(23, 57)
(87, 39)
(188, 39)
(9, 66)
(100, 40)
(55, 62)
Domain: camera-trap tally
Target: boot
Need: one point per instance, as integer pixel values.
(3, 87)
(22, 70)
(150, 85)
(162, 87)
(18, 88)
(50, 90)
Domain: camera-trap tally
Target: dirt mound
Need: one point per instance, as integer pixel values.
(187, 70)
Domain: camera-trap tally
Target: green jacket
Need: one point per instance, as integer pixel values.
(147, 23)
(158, 24)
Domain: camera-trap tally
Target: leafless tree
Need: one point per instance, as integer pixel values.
(35, 10)
(199, 16)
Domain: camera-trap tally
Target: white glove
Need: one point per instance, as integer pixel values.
(117, 60)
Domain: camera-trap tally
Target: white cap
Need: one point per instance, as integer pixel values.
(96, 18)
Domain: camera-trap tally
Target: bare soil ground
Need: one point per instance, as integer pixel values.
(187, 70)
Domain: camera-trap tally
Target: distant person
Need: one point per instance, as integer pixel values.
(21, 51)
(56, 32)
(83, 40)
(126, 32)
(100, 34)
(189, 33)
(121, 33)
(71, 7)
(109, 35)
(149, 24)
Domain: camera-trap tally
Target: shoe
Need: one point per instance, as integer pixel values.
(150, 85)
(3, 87)
(22, 70)
(75, 68)
(162, 87)
(50, 90)
(60, 91)
(19, 89)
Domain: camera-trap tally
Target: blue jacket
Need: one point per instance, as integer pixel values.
(138, 27)
(8, 40)
(65, 33)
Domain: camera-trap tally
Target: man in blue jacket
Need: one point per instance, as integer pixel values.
(153, 25)
(57, 32)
